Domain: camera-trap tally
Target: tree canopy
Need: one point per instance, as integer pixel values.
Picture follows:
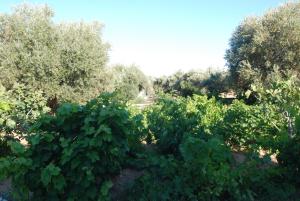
(260, 44)
(63, 59)
(211, 82)
(129, 81)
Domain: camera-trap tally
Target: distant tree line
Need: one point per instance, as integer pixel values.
(69, 60)
(210, 82)
(259, 49)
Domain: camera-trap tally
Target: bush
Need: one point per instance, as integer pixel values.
(20, 107)
(72, 155)
(206, 170)
(254, 126)
(288, 156)
(207, 111)
(4, 147)
(6, 123)
(169, 120)
(201, 173)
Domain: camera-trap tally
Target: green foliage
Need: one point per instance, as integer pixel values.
(206, 171)
(280, 90)
(19, 107)
(282, 93)
(199, 166)
(64, 59)
(167, 121)
(207, 112)
(261, 43)
(288, 156)
(4, 147)
(254, 126)
(5, 121)
(210, 83)
(192, 140)
(170, 119)
(203, 173)
(129, 82)
(74, 154)
(206, 168)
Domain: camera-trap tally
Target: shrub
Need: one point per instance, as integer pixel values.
(207, 112)
(204, 171)
(5, 121)
(247, 126)
(167, 121)
(4, 147)
(171, 119)
(288, 156)
(72, 155)
(19, 107)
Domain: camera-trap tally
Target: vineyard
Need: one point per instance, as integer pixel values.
(179, 149)
(73, 128)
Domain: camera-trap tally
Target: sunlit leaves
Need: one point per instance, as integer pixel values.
(75, 152)
(63, 59)
(261, 44)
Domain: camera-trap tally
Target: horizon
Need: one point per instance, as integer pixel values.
(161, 38)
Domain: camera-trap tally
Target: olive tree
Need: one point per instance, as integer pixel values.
(129, 81)
(63, 59)
(211, 82)
(260, 44)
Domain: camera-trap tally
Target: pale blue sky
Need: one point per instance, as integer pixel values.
(161, 36)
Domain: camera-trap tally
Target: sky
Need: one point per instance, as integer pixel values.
(160, 36)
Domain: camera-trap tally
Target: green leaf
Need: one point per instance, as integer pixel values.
(4, 106)
(106, 186)
(10, 123)
(103, 128)
(107, 137)
(248, 93)
(93, 156)
(59, 182)
(48, 172)
(16, 147)
(2, 121)
(34, 140)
